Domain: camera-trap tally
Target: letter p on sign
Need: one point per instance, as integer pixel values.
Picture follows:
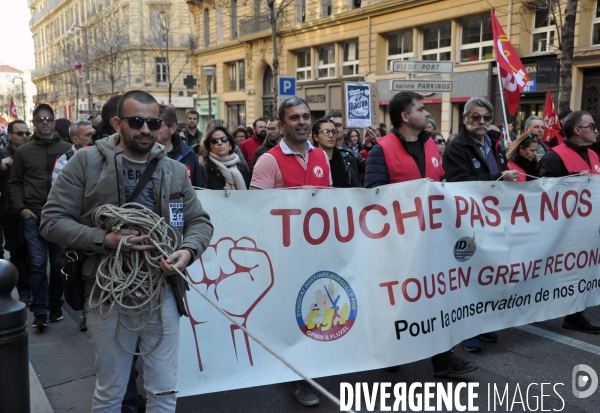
(287, 86)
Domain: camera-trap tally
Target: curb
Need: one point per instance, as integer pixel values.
(37, 396)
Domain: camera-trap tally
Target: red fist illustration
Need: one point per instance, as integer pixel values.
(236, 275)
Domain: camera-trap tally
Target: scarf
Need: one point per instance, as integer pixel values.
(227, 165)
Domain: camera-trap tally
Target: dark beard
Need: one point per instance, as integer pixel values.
(262, 135)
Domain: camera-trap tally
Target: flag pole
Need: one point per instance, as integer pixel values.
(506, 137)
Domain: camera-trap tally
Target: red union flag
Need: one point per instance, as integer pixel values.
(13, 110)
(550, 119)
(511, 70)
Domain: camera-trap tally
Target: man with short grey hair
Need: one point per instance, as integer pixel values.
(81, 132)
(536, 125)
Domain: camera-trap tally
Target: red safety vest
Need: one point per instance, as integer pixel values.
(513, 166)
(401, 165)
(294, 174)
(574, 162)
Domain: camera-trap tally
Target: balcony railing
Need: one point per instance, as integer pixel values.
(253, 25)
(43, 11)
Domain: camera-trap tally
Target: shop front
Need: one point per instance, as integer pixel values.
(202, 109)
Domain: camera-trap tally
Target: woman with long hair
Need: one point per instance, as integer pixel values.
(522, 156)
(222, 166)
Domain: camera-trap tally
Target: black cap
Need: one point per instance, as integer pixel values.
(42, 106)
(564, 113)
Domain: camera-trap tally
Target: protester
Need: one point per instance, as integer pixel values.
(61, 128)
(250, 145)
(175, 147)
(573, 157)
(29, 185)
(88, 181)
(222, 166)
(104, 128)
(522, 157)
(344, 170)
(240, 135)
(81, 133)
(12, 223)
(439, 140)
(511, 134)
(191, 134)
(536, 126)
(431, 126)
(476, 155)
(272, 139)
(213, 123)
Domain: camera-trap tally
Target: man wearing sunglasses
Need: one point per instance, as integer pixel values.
(29, 184)
(108, 173)
(574, 157)
(12, 224)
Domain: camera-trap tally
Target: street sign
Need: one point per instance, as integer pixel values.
(421, 66)
(287, 86)
(421, 85)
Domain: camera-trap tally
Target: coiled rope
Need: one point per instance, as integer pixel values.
(132, 282)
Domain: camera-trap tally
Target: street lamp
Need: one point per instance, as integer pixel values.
(22, 95)
(71, 32)
(209, 72)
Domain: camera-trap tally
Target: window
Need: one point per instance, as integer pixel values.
(326, 62)
(233, 9)
(300, 11)
(303, 65)
(206, 28)
(544, 31)
(355, 4)
(436, 42)
(400, 46)
(350, 59)
(325, 8)
(477, 40)
(159, 25)
(596, 24)
(236, 115)
(237, 75)
(161, 71)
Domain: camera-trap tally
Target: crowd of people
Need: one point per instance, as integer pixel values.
(51, 181)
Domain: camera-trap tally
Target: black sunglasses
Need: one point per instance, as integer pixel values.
(223, 139)
(41, 119)
(135, 122)
(440, 141)
(20, 133)
(477, 118)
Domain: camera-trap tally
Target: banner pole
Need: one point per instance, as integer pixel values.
(506, 137)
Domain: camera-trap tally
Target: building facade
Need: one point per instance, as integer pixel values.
(325, 42)
(88, 50)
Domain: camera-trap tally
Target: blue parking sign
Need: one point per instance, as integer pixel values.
(287, 86)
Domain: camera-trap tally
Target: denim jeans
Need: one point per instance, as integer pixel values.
(45, 294)
(17, 247)
(113, 365)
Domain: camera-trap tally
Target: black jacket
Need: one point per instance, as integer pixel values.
(264, 148)
(6, 206)
(463, 160)
(531, 168)
(552, 166)
(214, 179)
(376, 173)
(344, 170)
(181, 152)
(191, 140)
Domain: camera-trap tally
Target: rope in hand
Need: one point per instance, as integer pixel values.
(132, 282)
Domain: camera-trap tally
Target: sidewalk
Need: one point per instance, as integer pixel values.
(61, 370)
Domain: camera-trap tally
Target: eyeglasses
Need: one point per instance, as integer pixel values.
(41, 119)
(223, 139)
(326, 132)
(440, 141)
(20, 133)
(591, 126)
(477, 118)
(338, 125)
(272, 129)
(135, 122)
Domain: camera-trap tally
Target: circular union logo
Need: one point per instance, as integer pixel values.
(326, 307)
(318, 171)
(465, 248)
(435, 162)
(597, 168)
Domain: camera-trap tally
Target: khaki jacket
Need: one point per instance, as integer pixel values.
(94, 177)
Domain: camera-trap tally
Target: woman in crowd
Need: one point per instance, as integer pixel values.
(439, 140)
(222, 166)
(353, 141)
(212, 124)
(240, 135)
(522, 156)
(344, 171)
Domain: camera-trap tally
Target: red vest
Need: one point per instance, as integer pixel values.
(294, 174)
(575, 163)
(401, 165)
(513, 166)
(248, 148)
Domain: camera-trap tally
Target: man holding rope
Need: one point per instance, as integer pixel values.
(108, 175)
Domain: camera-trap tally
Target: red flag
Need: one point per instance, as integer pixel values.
(512, 72)
(13, 110)
(550, 119)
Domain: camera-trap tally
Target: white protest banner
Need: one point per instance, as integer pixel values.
(340, 281)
